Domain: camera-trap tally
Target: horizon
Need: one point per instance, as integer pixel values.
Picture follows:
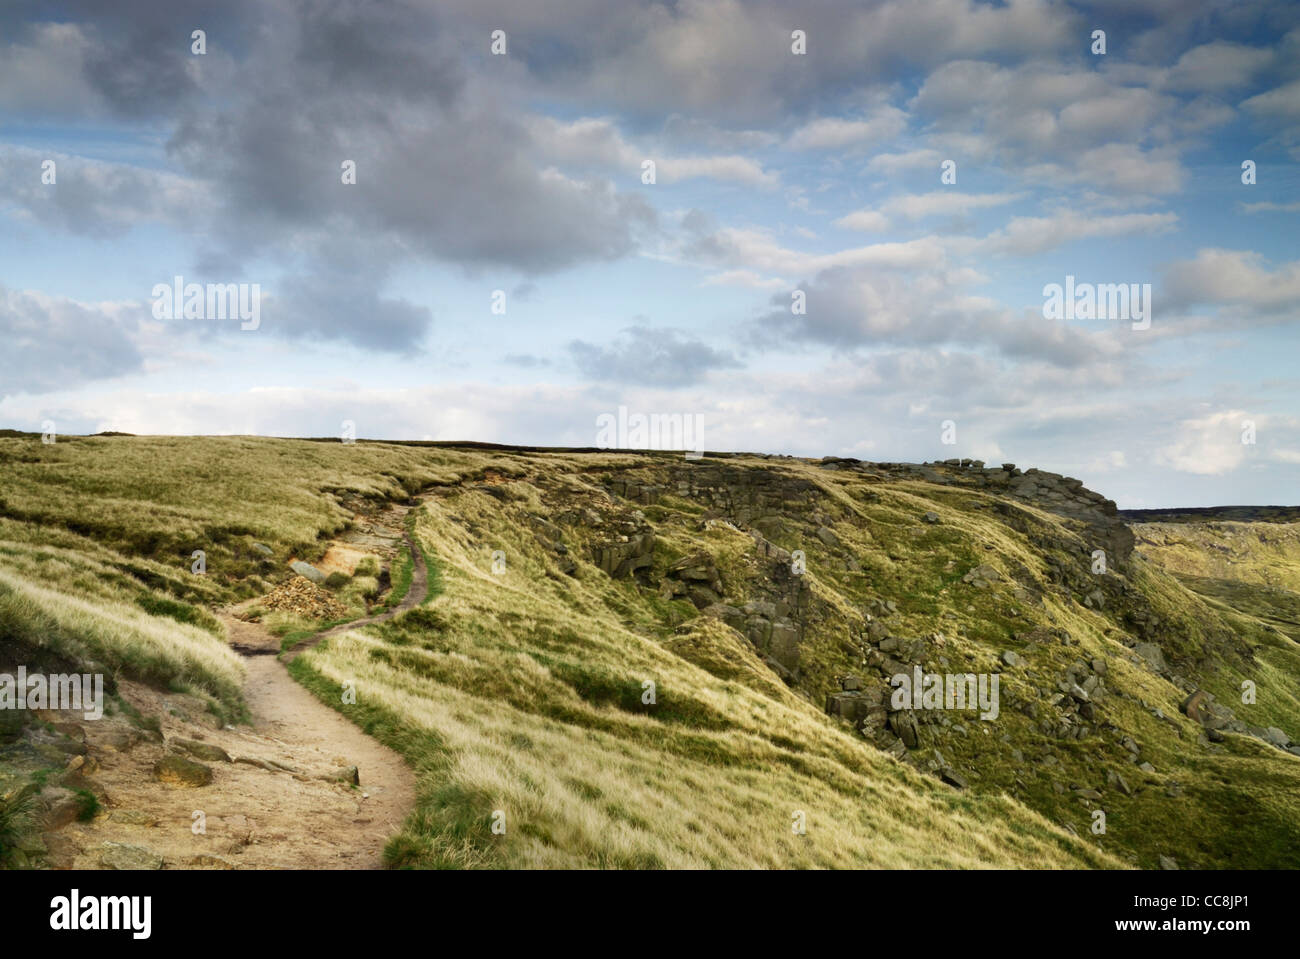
(1056, 233)
(532, 447)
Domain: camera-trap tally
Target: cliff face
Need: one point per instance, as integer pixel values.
(1115, 679)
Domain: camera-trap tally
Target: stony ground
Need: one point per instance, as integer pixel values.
(297, 787)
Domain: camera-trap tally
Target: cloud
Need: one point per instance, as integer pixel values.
(1269, 206)
(892, 164)
(97, 198)
(1208, 445)
(725, 60)
(747, 278)
(1237, 278)
(865, 221)
(758, 250)
(1030, 117)
(54, 343)
(324, 307)
(1030, 235)
(644, 355)
(916, 206)
(1218, 67)
(596, 143)
(1281, 103)
(873, 306)
(834, 133)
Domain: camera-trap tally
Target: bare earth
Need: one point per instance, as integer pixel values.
(286, 810)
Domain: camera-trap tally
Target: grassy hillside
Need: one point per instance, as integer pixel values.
(571, 581)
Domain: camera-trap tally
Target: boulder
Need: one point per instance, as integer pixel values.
(948, 775)
(828, 536)
(179, 771)
(118, 855)
(1152, 654)
(982, 576)
(308, 571)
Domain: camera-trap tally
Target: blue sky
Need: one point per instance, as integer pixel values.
(776, 172)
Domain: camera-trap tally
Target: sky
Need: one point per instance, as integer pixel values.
(845, 249)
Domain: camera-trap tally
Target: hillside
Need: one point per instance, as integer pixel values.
(766, 599)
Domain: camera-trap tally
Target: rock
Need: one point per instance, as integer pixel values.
(1152, 654)
(1115, 779)
(930, 517)
(61, 807)
(1087, 794)
(75, 763)
(179, 771)
(348, 774)
(117, 740)
(699, 566)
(1167, 863)
(263, 549)
(1277, 737)
(730, 615)
(308, 571)
(1012, 659)
(982, 576)
(1146, 767)
(952, 778)
(202, 750)
(850, 683)
(903, 723)
(827, 536)
(124, 856)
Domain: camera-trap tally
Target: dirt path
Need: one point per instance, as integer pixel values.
(282, 801)
(416, 595)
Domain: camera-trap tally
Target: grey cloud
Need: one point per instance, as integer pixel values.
(53, 343)
(444, 171)
(322, 306)
(97, 198)
(650, 356)
(732, 62)
(852, 307)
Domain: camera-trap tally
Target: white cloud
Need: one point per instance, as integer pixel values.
(830, 133)
(1207, 446)
(1217, 66)
(746, 278)
(1029, 235)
